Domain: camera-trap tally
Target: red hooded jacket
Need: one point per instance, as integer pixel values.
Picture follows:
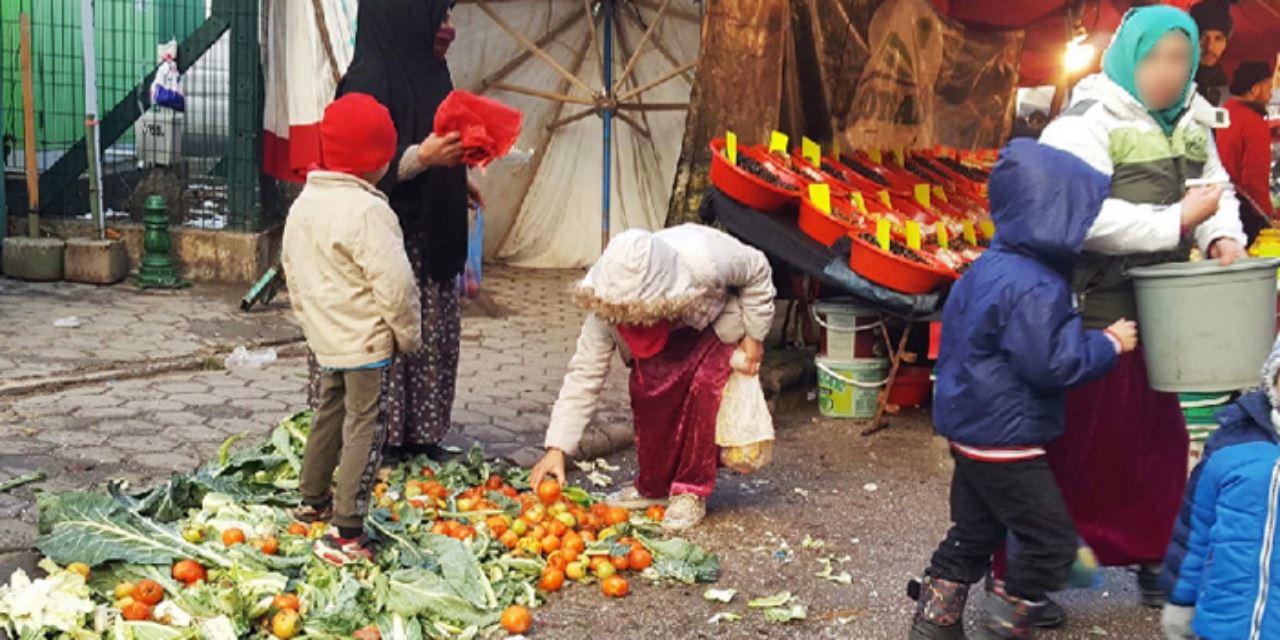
(1245, 148)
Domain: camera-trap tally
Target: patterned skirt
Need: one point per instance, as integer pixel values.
(420, 386)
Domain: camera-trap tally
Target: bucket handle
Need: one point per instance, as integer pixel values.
(813, 310)
(857, 383)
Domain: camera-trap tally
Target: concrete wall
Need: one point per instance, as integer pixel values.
(205, 256)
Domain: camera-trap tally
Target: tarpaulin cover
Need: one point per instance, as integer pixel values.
(784, 243)
(489, 128)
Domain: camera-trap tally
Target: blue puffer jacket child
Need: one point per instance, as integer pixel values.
(1012, 343)
(1222, 558)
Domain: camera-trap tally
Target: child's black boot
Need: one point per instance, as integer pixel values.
(939, 609)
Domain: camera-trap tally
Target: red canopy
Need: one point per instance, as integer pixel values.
(1256, 37)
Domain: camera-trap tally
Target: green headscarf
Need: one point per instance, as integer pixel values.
(1139, 31)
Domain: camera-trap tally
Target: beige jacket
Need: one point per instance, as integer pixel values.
(349, 280)
(715, 280)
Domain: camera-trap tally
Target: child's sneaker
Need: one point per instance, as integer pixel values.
(340, 551)
(310, 513)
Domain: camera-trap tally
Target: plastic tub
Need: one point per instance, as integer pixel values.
(912, 387)
(827, 229)
(747, 188)
(849, 332)
(850, 389)
(1206, 327)
(897, 273)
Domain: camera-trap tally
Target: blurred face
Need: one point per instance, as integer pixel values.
(1163, 74)
(1212, 44)
(1261, 92)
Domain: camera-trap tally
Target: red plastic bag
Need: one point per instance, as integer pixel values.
(489, 128)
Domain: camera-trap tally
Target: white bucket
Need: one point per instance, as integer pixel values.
(842, 323)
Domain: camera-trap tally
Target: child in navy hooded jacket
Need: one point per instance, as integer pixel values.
(1012, 344)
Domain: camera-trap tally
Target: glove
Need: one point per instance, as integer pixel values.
(1176, 622)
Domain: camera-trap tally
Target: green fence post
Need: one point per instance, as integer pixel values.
(245, 142)
(4, 192)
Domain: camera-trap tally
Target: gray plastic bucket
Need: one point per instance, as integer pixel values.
(1205, 327)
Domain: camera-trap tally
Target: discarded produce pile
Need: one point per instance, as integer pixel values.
(463, 549)
(926, 210)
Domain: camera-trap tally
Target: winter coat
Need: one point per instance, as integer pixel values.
(1011, 340)
(1245, 149)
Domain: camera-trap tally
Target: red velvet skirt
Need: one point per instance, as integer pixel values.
(675, 397)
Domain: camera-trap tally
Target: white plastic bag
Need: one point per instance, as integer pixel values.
(744, 428)
(166, 89)
(243, 358)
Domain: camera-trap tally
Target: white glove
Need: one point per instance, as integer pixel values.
(1176, 622)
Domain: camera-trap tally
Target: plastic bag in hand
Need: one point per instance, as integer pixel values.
(489, 128)
(744, 428)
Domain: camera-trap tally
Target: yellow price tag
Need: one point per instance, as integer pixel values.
(940, 193)
(882, 234)
(731, 147)
(778, 142)
(811, 151)
(900, 157)
(988, 229)
(874, 154)
(859, 202)
(913, 235)
(922, 195)
(820, 195)
(944, 239)
(970, 236)
(884, 197)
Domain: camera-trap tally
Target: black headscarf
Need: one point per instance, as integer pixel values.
(395, 62)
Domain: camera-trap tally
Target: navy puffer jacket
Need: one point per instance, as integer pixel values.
(1012, 343)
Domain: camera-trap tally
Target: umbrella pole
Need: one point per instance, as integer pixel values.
(607, 10)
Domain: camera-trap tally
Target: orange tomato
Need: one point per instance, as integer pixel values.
(603, 568)
(232, 537)
(149, 592)
(615, 586)
(509, 491)
(616, 516)
(589, 536)
(620, 563)
(286, 601)
(297, 529)
(549, 543)
(517, 620)
(509, 539)
(428, 472)
(557, 560)
(136, 611)
(268, 545)
(462, 533)
(557, 528)
(539, 532)
(440, 528)
(655, 513)
(552, 580)
(599, 509)
(188, 572)
(548, 491)
(494, 482)
(569, 554)
(639, 559)
(574, 542)
(496, 524)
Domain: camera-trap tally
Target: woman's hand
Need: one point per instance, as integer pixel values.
(440, 151)
(551, 464)
(473, 193)
(1227, 251)
(1199, 205)
(754, 351)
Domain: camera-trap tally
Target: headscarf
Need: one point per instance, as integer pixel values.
(1139, 32)
(395, 62)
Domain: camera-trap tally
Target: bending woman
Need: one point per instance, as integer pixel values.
(676, 304)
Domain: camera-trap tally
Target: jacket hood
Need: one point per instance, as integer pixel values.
(1043, 201)
(1101, 89)
(1252, 410)
(639, 280)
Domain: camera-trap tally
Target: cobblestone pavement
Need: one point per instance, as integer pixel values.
(516, 342)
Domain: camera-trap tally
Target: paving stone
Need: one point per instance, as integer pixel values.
(182, 388)
(154, 405)
(105, 413)
(264, 405)
(167, 462)
(20, 446)
(172, 418)
(69, 438)
(198, 399)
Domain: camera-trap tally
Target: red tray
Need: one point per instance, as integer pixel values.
(748, 189)
(899, 274)
(824, 228)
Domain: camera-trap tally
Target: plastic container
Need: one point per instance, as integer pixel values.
(912, 387)
(159, 137)
(746, 188)
(1206, 327)
(897, 273)
(849, 332)
(827, 229)
(850, 389)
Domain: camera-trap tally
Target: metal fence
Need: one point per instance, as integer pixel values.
(211, 182)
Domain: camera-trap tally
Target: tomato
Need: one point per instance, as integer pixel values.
(549, 543)
(604, 568)
(428, 472)
(517, 619)
(567, 520)
(509, 491)
(520, 526)
(599, 509)
(440, 528)
(588, 536)
(557, 561)
(124, 590)
(232, 537)
(509, 539)
(466, 504)
(568, 554)
(573, 542)
(412, 489)
(655, 513)
(297, 529)
(318, 529)
(268, 545)
(539, 532)
(368, 633)
(616, 516)
(188, 572)
(80, 568)
(149, 592)
(530, 546)
(639, 559)
(615, 586)
(135, 611)
(552, 580)
(575, 571)
(193, 535)
(436, 490)
(619, 562)
(605, 534)
(494, 483)
(535, 514)
(286, 601)
(462, 533)
(284, 624)
(558, 508)
(497, 524)
(548, 491)
(557, 528)
(380, 489)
